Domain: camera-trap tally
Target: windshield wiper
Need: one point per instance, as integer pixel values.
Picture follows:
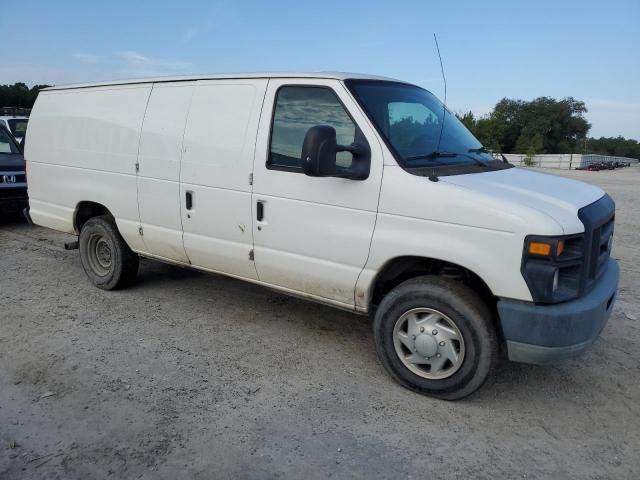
(478, 150)
(432, 155)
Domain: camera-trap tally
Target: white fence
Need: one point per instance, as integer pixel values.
(566, 161)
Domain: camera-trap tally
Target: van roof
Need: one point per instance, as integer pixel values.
(221, 76)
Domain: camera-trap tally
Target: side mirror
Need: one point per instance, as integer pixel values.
(319, 155)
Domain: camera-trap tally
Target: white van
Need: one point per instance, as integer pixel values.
(355, 191)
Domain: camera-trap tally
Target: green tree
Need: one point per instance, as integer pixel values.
(468, 119)
(617, 146)
(534, 147)
(514, 124)
(19, 95)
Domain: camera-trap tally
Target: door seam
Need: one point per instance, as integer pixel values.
(184, 131)
(144, 117)
(373, 232)
(253, 167)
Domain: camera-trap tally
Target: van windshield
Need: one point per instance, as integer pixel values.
(410, 119)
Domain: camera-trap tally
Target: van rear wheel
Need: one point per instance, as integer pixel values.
(436, 336)
(106, 258)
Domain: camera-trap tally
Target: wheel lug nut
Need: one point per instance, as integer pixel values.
(441, 344)
(421, 329)
(438, 355)
(435, 332)
(413, 337)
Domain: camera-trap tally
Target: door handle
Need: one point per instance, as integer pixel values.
(259, 211)
(189, 200)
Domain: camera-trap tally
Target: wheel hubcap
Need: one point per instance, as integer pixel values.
(428, 343)
(99, 254)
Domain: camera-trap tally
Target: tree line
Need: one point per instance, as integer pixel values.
(19, 95)
(543, 125)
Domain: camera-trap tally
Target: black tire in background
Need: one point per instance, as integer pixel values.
(106, 258)
(472, 319)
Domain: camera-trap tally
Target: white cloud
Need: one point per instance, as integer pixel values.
(88, 58)
(137, 64)
(135, 57)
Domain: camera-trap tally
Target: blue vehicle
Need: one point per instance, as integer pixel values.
(13, 180)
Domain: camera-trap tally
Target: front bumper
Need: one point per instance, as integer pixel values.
(542, 334)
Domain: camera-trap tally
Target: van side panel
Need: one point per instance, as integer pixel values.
(82, 146)
(437, 220)
(159, 175)
(219, 145)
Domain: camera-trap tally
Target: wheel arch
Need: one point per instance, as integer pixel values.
(85, 210)
(402, 268)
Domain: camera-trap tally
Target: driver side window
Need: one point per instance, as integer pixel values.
(297, 109)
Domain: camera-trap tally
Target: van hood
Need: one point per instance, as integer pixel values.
(558, 197)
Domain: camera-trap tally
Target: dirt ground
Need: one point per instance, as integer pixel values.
(188, 375)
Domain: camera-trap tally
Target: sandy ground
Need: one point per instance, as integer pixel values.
(188, 375)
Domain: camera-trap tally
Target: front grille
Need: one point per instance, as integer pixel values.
(9, 178)
(598, 219)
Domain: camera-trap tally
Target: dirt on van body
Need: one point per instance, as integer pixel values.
(188, 375)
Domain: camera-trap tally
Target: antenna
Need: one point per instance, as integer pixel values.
(444, 79)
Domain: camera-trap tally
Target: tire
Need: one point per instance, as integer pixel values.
(106, 258)
(446, 307)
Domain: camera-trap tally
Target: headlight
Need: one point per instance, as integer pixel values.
(552, 267)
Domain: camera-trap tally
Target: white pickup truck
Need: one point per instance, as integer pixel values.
(356, 191)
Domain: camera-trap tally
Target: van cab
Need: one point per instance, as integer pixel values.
(360, 192)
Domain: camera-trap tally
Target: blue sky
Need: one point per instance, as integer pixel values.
(517, 49)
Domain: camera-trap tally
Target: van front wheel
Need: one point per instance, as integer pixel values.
(436, 336)
(106, 258)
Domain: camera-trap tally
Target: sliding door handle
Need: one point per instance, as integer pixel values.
(189, 200)
(260, 211)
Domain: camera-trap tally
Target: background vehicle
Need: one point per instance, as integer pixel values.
(13, 186)
(17, 125)
(607, 165)
(278, 179)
